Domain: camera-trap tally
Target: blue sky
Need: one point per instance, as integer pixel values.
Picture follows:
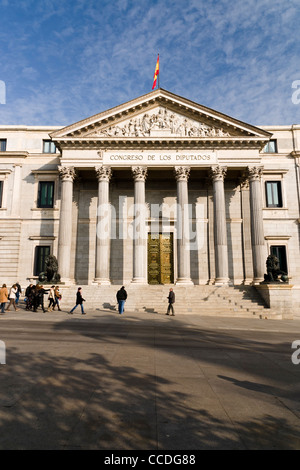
(62, 60)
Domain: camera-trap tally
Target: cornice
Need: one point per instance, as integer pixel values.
(14, 154)
(160, 143)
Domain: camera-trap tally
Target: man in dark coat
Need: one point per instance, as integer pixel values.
(39, 297)
(171, 299)
(121, 298)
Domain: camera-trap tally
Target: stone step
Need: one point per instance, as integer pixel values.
(203, 300)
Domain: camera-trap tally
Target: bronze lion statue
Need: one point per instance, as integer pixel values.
(273, 270)
(51, 272)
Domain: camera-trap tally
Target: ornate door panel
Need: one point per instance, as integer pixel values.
(166, 258)
(160, 258)
(153, 259)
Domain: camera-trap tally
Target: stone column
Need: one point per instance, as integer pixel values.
(67, 175)
(246, 231)
(257, 225)
(183, 226)
(220, 232)
(103, 227)
(139, 227)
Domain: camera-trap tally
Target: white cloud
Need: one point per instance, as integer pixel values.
(78, 59)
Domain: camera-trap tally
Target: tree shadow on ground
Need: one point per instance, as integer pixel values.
(96, 387)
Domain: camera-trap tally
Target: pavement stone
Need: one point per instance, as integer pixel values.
(147, 381)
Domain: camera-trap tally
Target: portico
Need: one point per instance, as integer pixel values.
(161, 164)
(124, 221)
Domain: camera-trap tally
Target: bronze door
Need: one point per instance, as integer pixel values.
(160, 258)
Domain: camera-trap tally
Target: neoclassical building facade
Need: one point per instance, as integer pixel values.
(159, 190)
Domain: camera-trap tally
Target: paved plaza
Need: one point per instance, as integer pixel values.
(148, 381)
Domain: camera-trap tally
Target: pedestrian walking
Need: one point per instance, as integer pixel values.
(51, 299)
(79, 301)
(30, 296)
(12, 297)
(39, 297)
(19, 292)
(121, 298)
(57, 295)
(3, 297)
(171, 299)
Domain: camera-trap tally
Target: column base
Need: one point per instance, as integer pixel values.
(182, 281)
(222, 281)
(139, 280)
(256, 281)
(102, 282)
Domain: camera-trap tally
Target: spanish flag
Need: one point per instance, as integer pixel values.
(156, 73)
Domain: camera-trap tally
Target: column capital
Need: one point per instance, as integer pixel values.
(139, 173)
(103, 173)
(182, 173)
(218, 173)
(244, 180)
(67, 173)
(254, 173)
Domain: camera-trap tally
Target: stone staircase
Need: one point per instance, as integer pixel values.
(237, 301)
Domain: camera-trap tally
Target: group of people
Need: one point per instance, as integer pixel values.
(34, 297)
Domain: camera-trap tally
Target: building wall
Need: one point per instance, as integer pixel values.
(23, 226)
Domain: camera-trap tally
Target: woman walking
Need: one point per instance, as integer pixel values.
(3, 297)
(57, 295)
(12, 297)
(51, 299)
(79, 301)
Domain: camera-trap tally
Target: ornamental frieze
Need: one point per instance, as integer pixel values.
(159, 124)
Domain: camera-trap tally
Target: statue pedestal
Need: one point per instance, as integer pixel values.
(278, 297)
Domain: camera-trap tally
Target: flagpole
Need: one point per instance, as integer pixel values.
(158, 73)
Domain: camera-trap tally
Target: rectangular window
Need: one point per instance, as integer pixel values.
(2, 145)
(41, 253)
(49, 146)
(273, 194)
(46, 194)
(271, 146)
(1, 191)
(280, 253)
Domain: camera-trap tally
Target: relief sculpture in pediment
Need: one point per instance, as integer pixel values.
(161, 123)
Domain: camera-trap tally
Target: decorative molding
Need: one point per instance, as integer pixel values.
(277, 237)
(218, 173)
(103, 173)
(139, 173)
(44, 172)
(100, 154)
(159, 124)
(42, 237)
(255, 173)
(182, 173)
(67, 173)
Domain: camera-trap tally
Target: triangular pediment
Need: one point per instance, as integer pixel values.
(160, 115)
